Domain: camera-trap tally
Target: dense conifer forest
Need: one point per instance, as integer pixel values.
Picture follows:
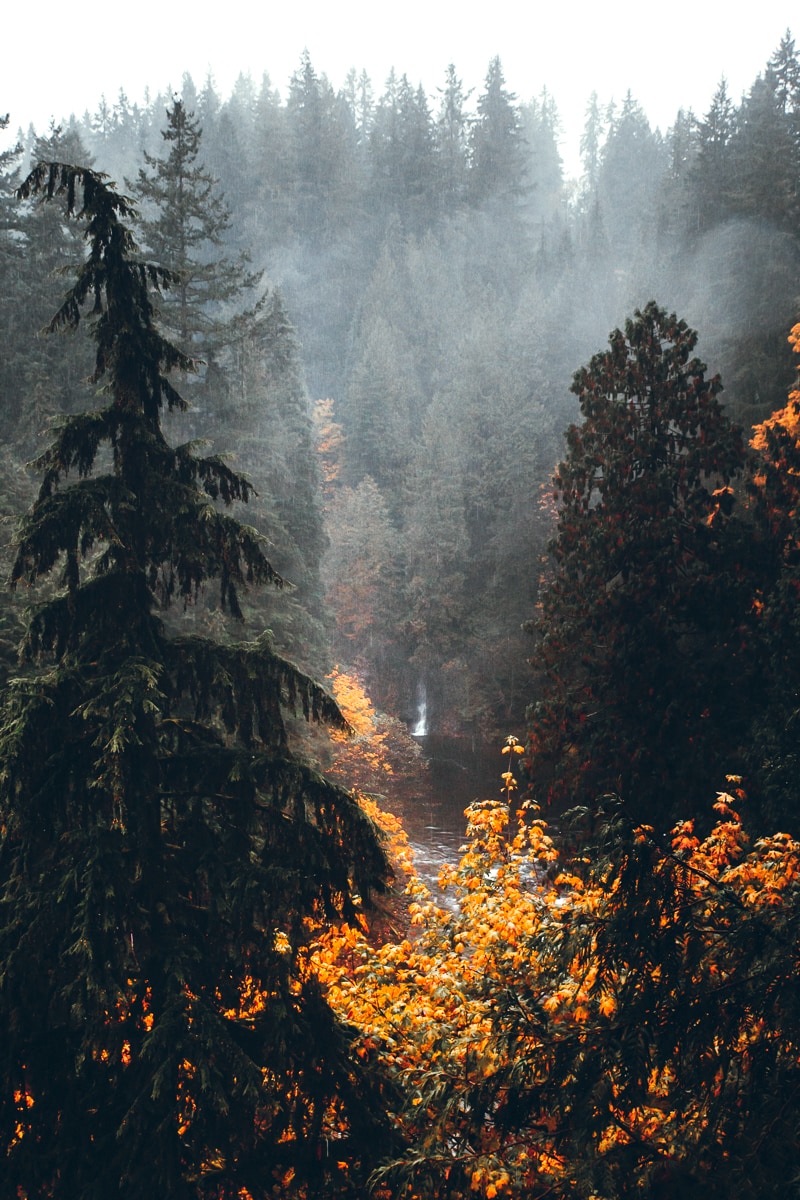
(286, 381)
(420, 265)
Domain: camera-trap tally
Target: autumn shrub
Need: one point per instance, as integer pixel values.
(625, 1026)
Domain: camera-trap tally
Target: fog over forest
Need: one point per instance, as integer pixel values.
(391, 291)
(336, 422)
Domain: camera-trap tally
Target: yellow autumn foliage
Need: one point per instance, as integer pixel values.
(426, 1007)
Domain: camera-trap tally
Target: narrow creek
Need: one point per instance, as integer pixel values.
(460, 771)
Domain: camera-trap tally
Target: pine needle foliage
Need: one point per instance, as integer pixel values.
(161, 850)
(643, 647)
(185, 230)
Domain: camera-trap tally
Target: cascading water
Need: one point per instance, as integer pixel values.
(421, 726)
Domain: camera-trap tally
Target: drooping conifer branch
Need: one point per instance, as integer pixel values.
(161, 849)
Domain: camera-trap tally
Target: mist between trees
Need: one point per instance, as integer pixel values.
(359, 316)
(421, 265)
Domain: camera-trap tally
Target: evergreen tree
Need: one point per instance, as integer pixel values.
(631, 171)
(749, 169)
(402, 145)
(382, 399)
(161, 848)
(643, 651)
(765, 157)
(452, 141)
(497, 149)
(785, 69)
(12, 261)
(683, 145)
(322, 153)
(540, 123)
(14, 326)
(184, 231)
(711, 176)
(270, 215)
(267, 418)
(591, 145)
(440, 623)
(43, 379)
(359, 97)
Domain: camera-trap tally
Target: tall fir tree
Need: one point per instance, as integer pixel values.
(267, 419)
(498, 165)
(643, 652)
(541, 125)
(364, 580)
(184, 229)
(322, 154)
(161, 849)
(12, 262)
(402, 155)
(451, 137)
(712, 174)
(631, 171)
(765, 156)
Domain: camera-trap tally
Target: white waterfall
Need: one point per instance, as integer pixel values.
(421, 725)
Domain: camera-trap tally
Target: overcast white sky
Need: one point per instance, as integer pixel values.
(58, 59)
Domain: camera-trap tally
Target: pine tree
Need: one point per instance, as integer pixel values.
(46, 375)
(712, 175)
(161, 848)
(452, 141)
(364, 578)
(185, 228)
(270, 213)
(267, 418)
(631, 171)
(322, 154)
(382, 402)
(12, 261)
(402, 154)
(440, 624)
(497, 148)
(591, 145)
(545, 176)
(765, 156)
(644, 650)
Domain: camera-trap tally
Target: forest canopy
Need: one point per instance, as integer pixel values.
(351, 318)
(443, 280)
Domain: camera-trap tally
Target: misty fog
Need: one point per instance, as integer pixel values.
(421, 282)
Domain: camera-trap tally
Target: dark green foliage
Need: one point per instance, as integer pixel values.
(187, 221)
(465, 190)
(161, 848)
(266, 418)
(252, 400)
(39, 379)
(775, 501)
(711, 174)
(643, 650)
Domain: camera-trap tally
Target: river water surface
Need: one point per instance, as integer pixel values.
(460, 771)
